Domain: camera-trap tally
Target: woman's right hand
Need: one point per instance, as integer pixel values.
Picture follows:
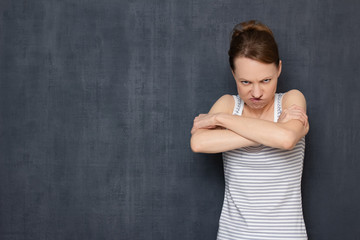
(294, 112)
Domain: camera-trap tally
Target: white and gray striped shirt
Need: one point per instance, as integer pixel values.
(262, 190)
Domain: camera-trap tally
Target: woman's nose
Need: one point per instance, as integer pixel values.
(256, 91)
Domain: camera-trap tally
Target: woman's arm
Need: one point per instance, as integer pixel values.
(216, 140)
(282, 135)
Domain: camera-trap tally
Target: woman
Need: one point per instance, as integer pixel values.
(262, 136)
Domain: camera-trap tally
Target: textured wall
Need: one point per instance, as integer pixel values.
(97, 100)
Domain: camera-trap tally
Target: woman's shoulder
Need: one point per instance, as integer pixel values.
(293, 92)
(227, 98)
(224, 104)
(293, 96)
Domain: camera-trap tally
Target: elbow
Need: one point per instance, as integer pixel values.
(199, 144)
(288, 140)
(291, 138)
(195, 144)
(288, 145)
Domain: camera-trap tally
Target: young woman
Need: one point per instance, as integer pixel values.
(261, 134)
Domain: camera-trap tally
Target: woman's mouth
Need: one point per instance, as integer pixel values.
(255, 100)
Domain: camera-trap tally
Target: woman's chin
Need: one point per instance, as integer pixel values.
(257, 106)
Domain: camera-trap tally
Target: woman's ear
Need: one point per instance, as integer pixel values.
(279, 68)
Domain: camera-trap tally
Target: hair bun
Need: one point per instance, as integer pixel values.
(252, 25)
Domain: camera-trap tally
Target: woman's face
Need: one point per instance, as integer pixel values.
(256, 81)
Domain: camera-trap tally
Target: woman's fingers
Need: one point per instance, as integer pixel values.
(296, 116)
(294, 106)
(294, 112)
(203, 121)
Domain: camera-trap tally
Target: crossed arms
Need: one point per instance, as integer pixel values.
(220, 131)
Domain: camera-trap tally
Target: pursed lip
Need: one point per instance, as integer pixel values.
(255, 99)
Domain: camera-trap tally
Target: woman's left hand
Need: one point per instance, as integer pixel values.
(294, 112)
(205, 121)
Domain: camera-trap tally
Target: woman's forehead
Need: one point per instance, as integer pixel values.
(249, 69)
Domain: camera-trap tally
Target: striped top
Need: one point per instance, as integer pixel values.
(262, 190)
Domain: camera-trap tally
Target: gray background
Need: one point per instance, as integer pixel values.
(97, 100)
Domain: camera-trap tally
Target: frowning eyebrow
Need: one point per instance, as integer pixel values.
(243, 79)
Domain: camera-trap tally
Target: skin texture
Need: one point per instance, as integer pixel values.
(220, 131)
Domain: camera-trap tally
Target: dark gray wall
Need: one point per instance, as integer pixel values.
(97, 100)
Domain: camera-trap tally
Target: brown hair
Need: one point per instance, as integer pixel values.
(253, 40)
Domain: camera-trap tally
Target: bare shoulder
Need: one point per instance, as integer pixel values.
(224, 104)
(294, 96)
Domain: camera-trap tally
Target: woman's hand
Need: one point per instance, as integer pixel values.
(294, 112)
(205, 121)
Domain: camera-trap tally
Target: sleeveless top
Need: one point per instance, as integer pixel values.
(262, 190)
